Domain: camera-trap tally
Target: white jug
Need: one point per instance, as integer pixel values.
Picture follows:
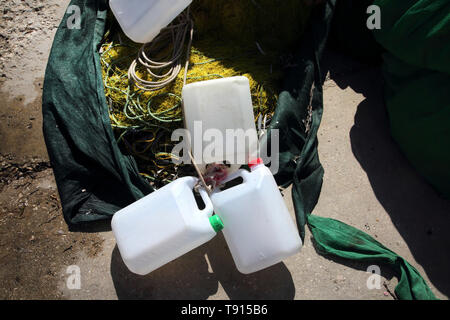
(259, 229)
(163, 226)
(142, 20)
(219, 117)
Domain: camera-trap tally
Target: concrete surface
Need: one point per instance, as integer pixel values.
(368, 184)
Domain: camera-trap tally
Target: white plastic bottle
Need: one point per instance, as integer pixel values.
(260, 231)
(219, 117)
(163, 226)
(142, 20)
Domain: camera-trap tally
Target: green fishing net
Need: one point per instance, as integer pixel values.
(231, 38)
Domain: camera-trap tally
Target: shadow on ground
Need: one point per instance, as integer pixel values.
(190, 277)
(417, 211)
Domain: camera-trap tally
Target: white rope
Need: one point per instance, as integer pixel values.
(167, 69)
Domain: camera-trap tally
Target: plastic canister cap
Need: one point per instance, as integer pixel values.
(254, 163)
(216, 223)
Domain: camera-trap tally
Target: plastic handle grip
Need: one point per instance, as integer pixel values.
(209, 209)
(234, 175)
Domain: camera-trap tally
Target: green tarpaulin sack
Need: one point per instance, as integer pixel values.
(95, 179)
(416, 68)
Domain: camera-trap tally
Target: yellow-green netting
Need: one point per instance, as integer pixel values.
(236, 37)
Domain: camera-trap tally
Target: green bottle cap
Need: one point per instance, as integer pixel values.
(216, 223)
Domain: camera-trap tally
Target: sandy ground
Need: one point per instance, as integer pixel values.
(368, 184)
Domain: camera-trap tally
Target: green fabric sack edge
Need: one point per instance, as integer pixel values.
(95, 180)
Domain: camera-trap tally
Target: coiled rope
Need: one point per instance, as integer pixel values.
(167, 69)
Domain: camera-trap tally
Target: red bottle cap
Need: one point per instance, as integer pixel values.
(256, 162)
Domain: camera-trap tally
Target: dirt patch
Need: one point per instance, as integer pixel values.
(21, 126)
(26, 33)
(35, 244)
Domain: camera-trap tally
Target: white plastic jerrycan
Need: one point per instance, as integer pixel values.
(219, 117)
(163, 226)
(260, 231)
(142, 20)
